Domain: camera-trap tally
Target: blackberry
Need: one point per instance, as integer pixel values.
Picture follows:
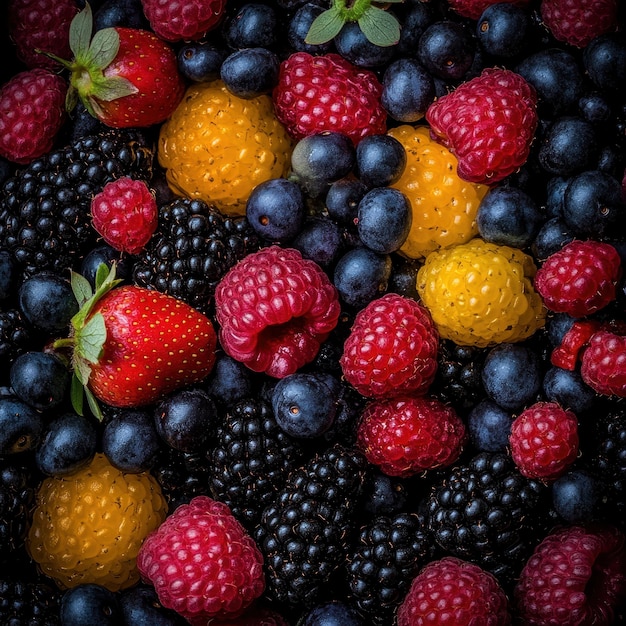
(193, 247)
(17, 493)
(28, 602)
(45, 218)
(390, 552)
(15, 335)
(305, 534)
(251, 460)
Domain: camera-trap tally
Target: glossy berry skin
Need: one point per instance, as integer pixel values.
(320, 240)
(332, 613)
(229, 382)
(342, 200)
(253, 25)
(551, 237)
(408, 90)
(250, 72)
(200, 61)
(446, 49)
(354, 46)
(90, 604)
(21, 426)
(380, 160)
(112, 13)
(603, 365)
(104, 253)
(502, 29)
(568, 389)
(576, 497)
(604, 59)
(474, 8)
(183, 20)
(489, 427)
(140, 606)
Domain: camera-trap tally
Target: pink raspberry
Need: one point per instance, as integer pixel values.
(392, 348)
(603, 365)
(275, 309)
(176, 20)
(475, 8)
(202, 562)
(407, 435)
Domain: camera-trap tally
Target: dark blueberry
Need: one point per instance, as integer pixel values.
(229, 381)
(21, 426)
(417, 17)
(342, 200)
(305, 404)
(107, 255)
(555, 192)
(69, 443)
(8, 274)
(576, 497)
(446, 49)
(385, 495)
(503, 30)
(557, 78)
(332, 613)
(320, 240)
(557, 326)
(125, 13)
(512, 376)
(83, 124)
(88, 604)
(508, 216)
(489, 427)
(568, 389)
(276, 209)
(403, 278)
(130, 441)
(299, 26)
(604, 59)
(612, 160)
(186, 420)
(352, 44)
(200, 61)
(40, 379)
(595, 108)
(384, 219)
(140, 606)
(408, 90)
(250, 72)
(361, 275)
(380, 160)
(47, 302)
(254, 25)
(552, 236)
(593, 204)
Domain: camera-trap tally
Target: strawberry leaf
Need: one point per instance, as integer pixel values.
(102, 272)
(112, 87)
(104, 48)
(81, 288)
(77, 394)
(325, 26)
(90, 339)
(107, 283)
(80, 32)
(94, 407)
(380, 27)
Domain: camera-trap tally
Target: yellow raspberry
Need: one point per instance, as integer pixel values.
(217, 147)
(444, 205)
(88, 526)
(481, 294)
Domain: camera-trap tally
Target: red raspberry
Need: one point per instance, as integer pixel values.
(544, 440)
(407, 435)
(603, 365)
(488, 123)
(202, 562)
(580, 278)
(328, 93)
(575, 576)
(125, 214)
(454, 592)
(474, 8)
(392, 348)
(32, 111)
(577, 22)
(275, 309)
(176, 20)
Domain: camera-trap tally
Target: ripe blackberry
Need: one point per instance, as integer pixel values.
(16, 496)
(251, 460)
(15, 335)
(485, 511)
(26, 601)
(45, 217)
(193, 247)
(304, 535)
(390, 552)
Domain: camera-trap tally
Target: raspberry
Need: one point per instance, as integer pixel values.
(577, 22)
(125, 214)
(87, 527)
(452, 591)
(474, 8)
(188, 19)
(202, 562)
(544, 440)
(328, 93)
(32, 111)
(575, 576)
(407, 435)
(488, 123)
(275, 309)
(392, 348)
(580, 278)
(481, 294)
(444, 205)
(603, 365)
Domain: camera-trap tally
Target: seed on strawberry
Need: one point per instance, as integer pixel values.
(603, 365)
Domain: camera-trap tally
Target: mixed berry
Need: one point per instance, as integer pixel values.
(312, 313)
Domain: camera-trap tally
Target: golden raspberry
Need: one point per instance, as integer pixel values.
(481, 294)
(217, 147)
(444, 205)
(88, 527)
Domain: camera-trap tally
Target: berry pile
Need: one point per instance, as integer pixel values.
(313, 313)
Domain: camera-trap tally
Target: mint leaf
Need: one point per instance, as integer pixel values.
(80, 32)
(81, 288)
(90, 339)
(103, 48)
(76, 394)
(380, 27)
(325, 27)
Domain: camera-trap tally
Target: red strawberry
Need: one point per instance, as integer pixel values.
(326, 92)
(176, 20)
(125, 214)
(488, 123)
(474, 8)
(31, 114)
(603, 365)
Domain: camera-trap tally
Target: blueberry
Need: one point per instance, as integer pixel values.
(21, 426)
(320, 240)
(489, 427)
(69, 443)
(125, 13)
(384, 219)
(595, 108)
(8, 274)
(332, 613)
(276, 209)
(512, 376)
(108, 255)
(200, 61)
(386, 495)
(299, 26)
(555, 192)
(557, 326)
(508, 216)
(140, 606)
(88, 604)
(40, 379)
(503, 30)
(130, 441)
(380, 160)
(253, 25)
(576, 497)
(417, 17)
(568, 389)
(229, 381)
(352, 44)
(342, 200)
(552, 236)
(604, 59)
(250, 72)
(403, 278)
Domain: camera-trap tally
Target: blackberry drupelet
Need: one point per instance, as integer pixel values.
(45, 220)
(304, 534)
(15, 335)
(17, 492)
(193, 247)
(28, 601)
(251, 460)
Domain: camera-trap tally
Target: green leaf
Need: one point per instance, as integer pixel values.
(380, 28)
(325, 27)
(107, 283)
(90, 339)
(82, 371)
(112, 87)
(102, 272)
(81, 288)
(71, 98)
(94, 407)
(76, 394)
(104, 48)
(80, 32)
